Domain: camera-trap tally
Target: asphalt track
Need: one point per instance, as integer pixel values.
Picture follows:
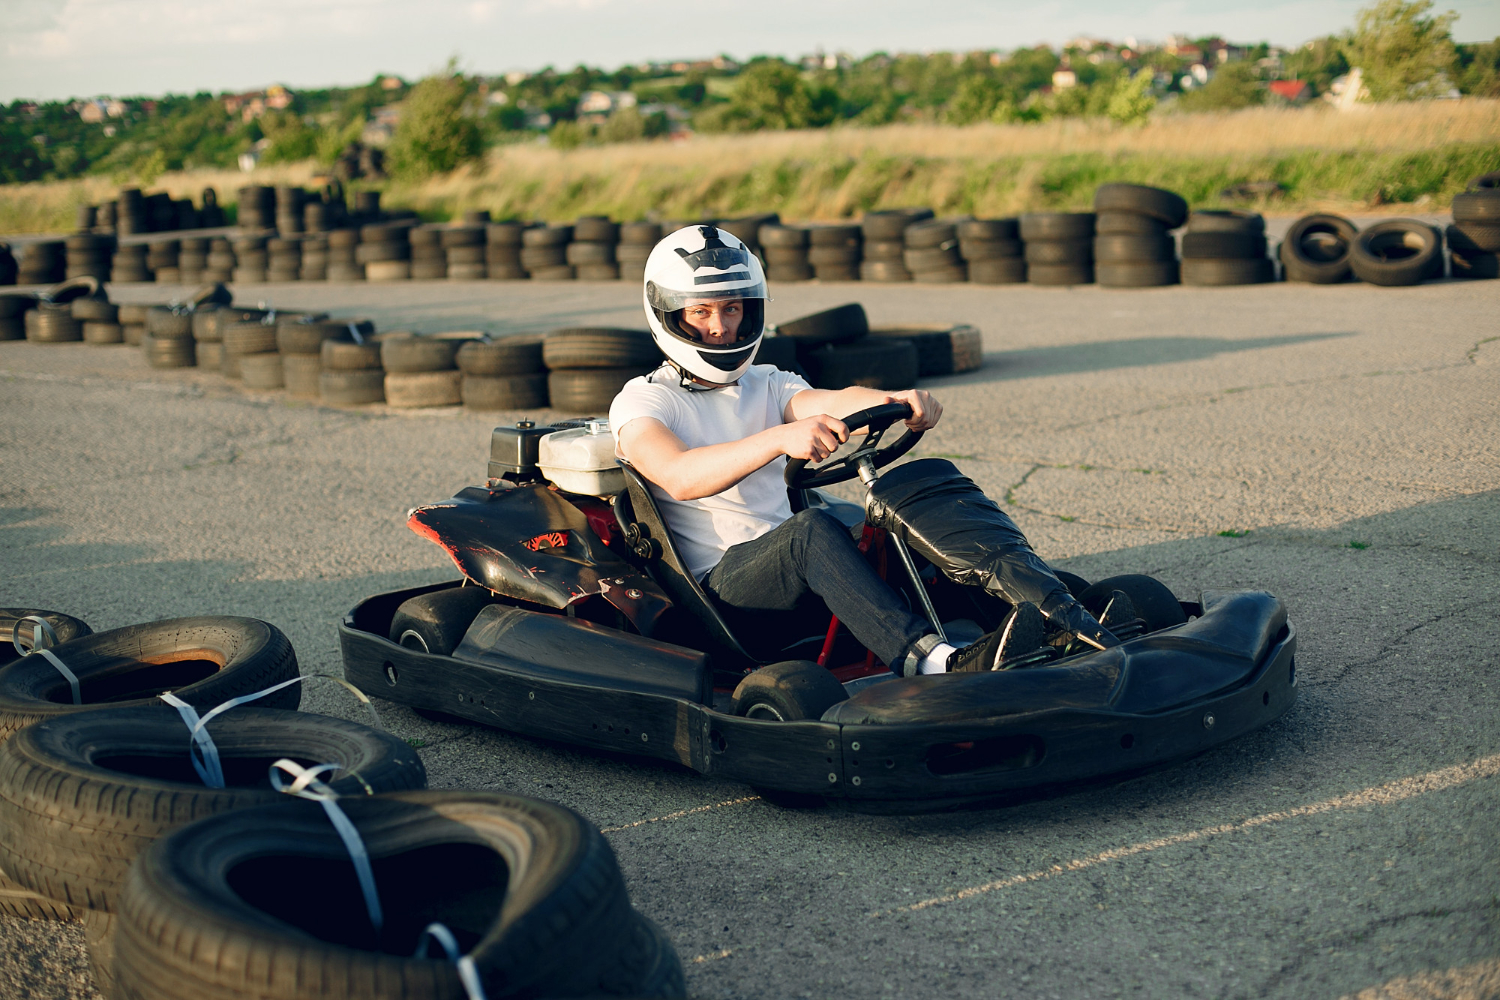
(1334, 445)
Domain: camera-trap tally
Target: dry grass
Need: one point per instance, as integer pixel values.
(1378, 156)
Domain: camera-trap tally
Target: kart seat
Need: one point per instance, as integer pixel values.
(646, 531)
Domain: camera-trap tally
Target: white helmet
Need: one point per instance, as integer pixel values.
(704, 264)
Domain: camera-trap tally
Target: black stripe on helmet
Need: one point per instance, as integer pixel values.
(719, 279)
(728, 361)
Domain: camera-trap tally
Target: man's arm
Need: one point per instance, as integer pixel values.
(693, 473)
(925, 410)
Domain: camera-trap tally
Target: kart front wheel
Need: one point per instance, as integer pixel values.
(791, 691)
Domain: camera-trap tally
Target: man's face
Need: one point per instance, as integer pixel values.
(718, 322)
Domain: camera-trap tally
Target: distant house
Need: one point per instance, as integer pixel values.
(1064, 78)
(252, 104)
(597, 105)
(1292, 92)
(390, 83)
(278, 97)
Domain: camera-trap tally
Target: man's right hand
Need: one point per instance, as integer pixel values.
(813, 438)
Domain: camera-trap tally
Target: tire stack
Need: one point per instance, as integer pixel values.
(786, 252)
(106, 217)
(637, 240)
(299, 342)
(315, 216)
(244, 339)
(289, 210)
(132, 318)
(835, 349)
(931, 253)
(314, 258)
(53, 323)
(219, 264)
(835, 252)
(592, 252)
(420, 370)
(464, 248)
(250, 260)
(588, 366)
(257, 208)
(343, 256)
(169, 337)
(128, 264)
(192, 259)
(1474, 236)
(885, 245)
(130, 213)
(942, 348)
(747, 228)
(1397, 252)
(544, 253)
(100, 319)
(86, 217)
(42, 263)
(385, 251)
(992, 250)
(367, 206)
(428, 260)
(350, 373)
(502, 251)
(1059, 247)
(283, 259)
(1226, 248)
(1316, 249)
(504, 374)
(13, 310)
(162, 257)
(87, 254)
(1133, 244)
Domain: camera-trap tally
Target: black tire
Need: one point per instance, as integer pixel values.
(839, 257)
(67, 628)
(1316, 249)
(1077, 585)
(1481, 206)
(14, 305)
(1070, 252)
(252, 337)
(171, 352)
(1486, 182)
(103, 333)
(506, 356)
(262, 371)
(346, 355)
(646, 965)
(590, 253)
(1227, 271)
(883, 270)
(1129, 223)
(942, 275)
(938, 258)
(204, 660)
(1470, 264)
(1137, 274)
(599, 347)
(436, 622)
(588, 390)
(82, 796)
(931, 234)
(85, 286)
(1003, 271)
(168, 322)
(547, 236)
(305, 335)
(1132, 248)
(1223, 245)
(351, 387)
(417, 390)
(989, 230)
(1471, 237)
(1057, 226)
(1167, 206)
(299, 373)
(942, 348)
(95, 310)
(531, 890)
(885, 363)
(1153, 601)
(405, 355)
(976, 250)
(504, 392)
(835, 237)
(1226, 221)
(1396, 252)
(1060, 274)
(889, 224)
(791, 691)
(638, 234)
(839, 325)
(54, 324)
(781, 352)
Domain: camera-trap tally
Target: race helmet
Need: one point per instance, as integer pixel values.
(704, 264)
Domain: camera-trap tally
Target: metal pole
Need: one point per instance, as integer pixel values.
(868, 475)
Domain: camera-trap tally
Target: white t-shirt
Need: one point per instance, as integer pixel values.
(704, 529)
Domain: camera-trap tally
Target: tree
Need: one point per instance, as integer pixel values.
(1319, 63)
(771, 95)
(1132, 100)
(1234, 85)
(435, 133)
(975, 100)
(1404, 53)
(1480, 73)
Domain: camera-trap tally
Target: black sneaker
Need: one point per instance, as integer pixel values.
(1022, 633)
(1121, 617)
(1077, 629)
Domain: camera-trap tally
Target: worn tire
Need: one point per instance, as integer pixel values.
(204, 660)
(1481, 206)
(890, 224)
(1223, 245)
(414, 390)
(300, 373)
(1396, 252)
(506, 356)
(1227, 271)
(1048, 226)
(791, 691)
(883, 270)
(388, 270)
(103, 333)
(547, 236)
(1316, 249)
(262, 371)
(67, 628)
(171, 352)
(1054, 252)
(1060, 274)
(942, 348)
(504, 392)
(589, 390)
(1132, 248)
(253, 337)
(885, 363)
(54, 324)
(599, 347)
(531, 889)
(346, 355)
(1217, 220)
(839, 325)
(989, 230)
(305, 335)
(95, 311)
(409, 355)
(82, 796)
(1129, 224)
(1157, 606)
(1168, 207)
(351, 387)
(1473, 264)
(1471, 237)
(169, 321)
(1137, 274)
(435, 622)
(1002, 271)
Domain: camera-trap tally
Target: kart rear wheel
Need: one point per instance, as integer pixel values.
(1153, 601)
(791, 691)
(436, 622)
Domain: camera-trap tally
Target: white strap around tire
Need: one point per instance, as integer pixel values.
(307, 786)
(62, 668)
(468, 974)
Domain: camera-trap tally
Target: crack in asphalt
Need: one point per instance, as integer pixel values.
(1327, 678)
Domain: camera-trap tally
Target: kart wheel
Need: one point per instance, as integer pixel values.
(1153, 601)
(1077, 585)
(792, 691)
(436, 623)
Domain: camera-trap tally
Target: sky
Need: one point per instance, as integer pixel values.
(59, 49)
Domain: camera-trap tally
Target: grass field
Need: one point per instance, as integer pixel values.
(1399, 157)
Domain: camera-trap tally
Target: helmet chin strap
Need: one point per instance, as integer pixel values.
(693, 383)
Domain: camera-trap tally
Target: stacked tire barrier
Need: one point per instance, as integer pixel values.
(504, 374)
(251, 259)
(42, 263)
(1133, 244)
(1474, 236)
(128, 264)
(192, 259)
(786, 252)
(464, 252)
(162, 257)
(1397, 252)
(992, 251)
(591, 254)
(1226, 248)
(350, 373)
(883, 257)
(544, 253)
(289, 210)
(1316, 249)
(1059, 247)
(637, 239)
(502, 251)
(314, 258)
(169, 338)
(428, 261)
(835, 251)
(283, 259)
(421, 370)
(256, 208)
(299, 342)
(931, 253)
(133, 322)
(385, 251)
(13, 310)
(588, 366)
(100, 319)
(835, 350)
(88, 254)
(343, 256)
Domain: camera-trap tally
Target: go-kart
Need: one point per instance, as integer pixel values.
(576, 620)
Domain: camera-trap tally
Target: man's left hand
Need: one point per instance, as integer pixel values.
(925, 409)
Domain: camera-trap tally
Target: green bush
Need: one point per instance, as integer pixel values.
(435, 134)
(1404, 54)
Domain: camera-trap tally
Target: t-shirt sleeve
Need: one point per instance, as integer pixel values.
(785, 385)
(640, 398)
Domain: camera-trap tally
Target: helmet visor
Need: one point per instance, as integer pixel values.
(739, 283)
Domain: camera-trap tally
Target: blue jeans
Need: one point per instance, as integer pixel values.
(813, 553)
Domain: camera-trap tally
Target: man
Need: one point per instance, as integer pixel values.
(711, 431)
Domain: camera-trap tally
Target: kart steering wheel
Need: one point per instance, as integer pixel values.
(878, 419)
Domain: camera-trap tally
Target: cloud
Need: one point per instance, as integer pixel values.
(29, 16)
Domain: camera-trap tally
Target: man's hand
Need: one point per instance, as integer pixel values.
(925, 410)
(813, 438)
